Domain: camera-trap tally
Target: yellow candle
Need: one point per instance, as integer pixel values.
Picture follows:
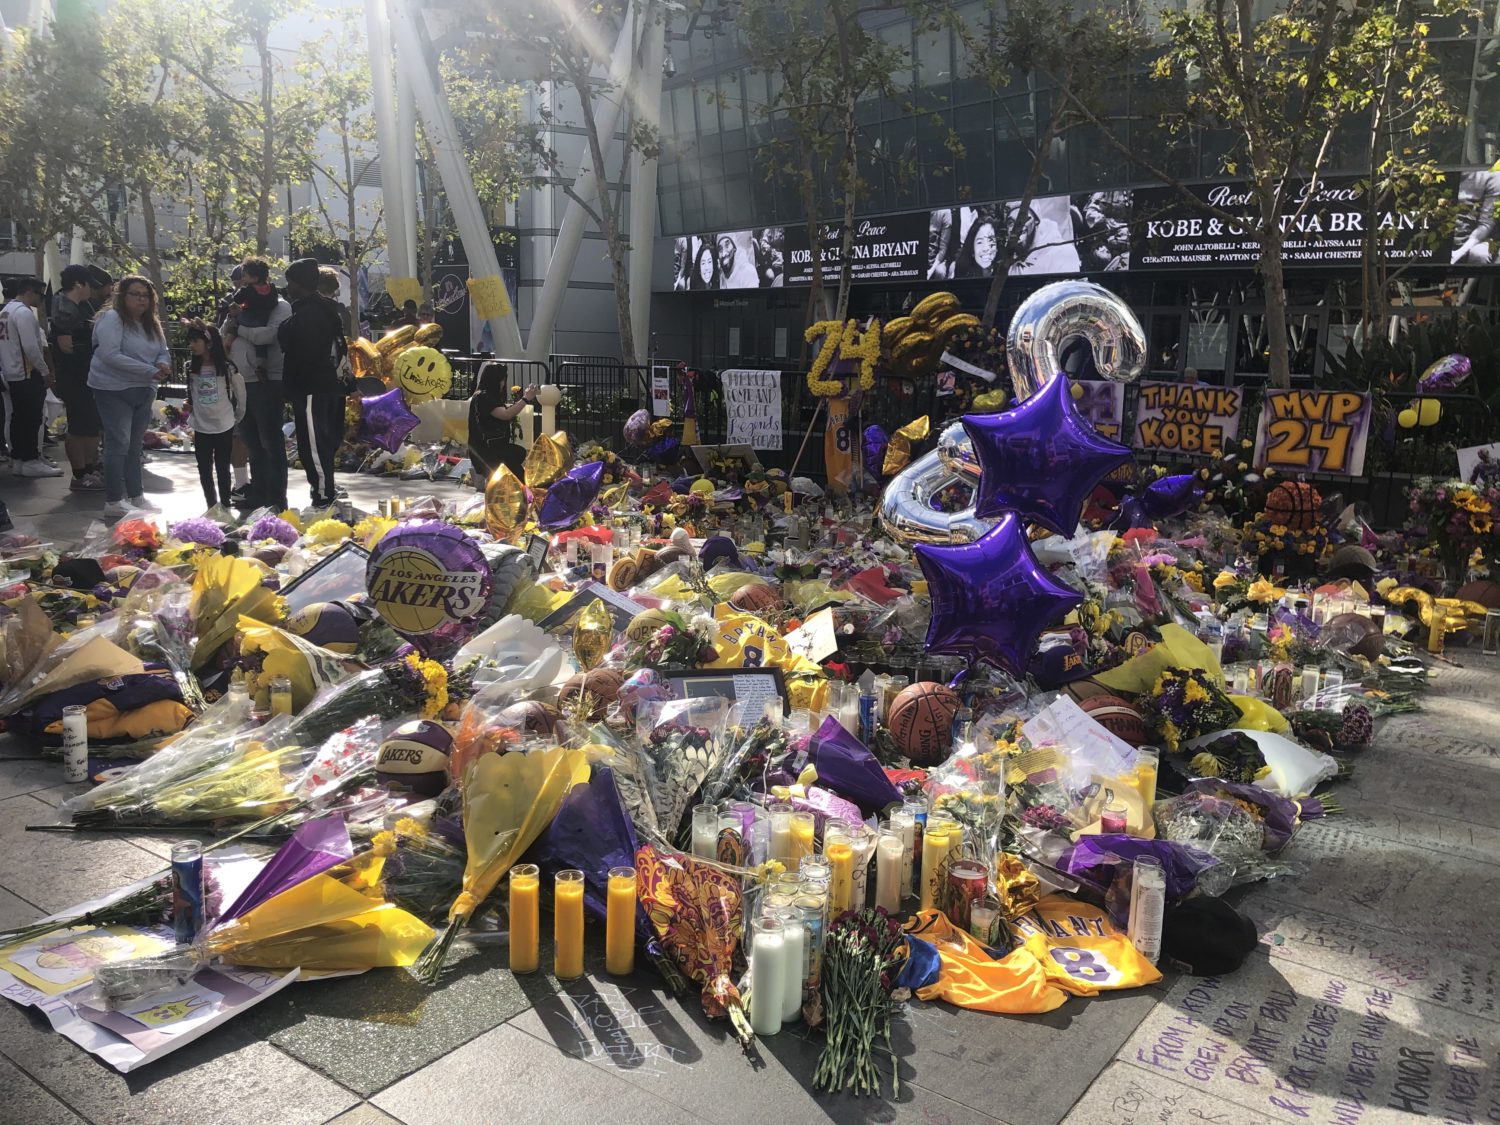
(567, 924)
(937, 842)
(804, 827)
(525, 923)
(840, 856)
(619, 926)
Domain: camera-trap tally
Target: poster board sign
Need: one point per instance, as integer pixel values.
(1313, 432)
(1479, 464)
(1188, 418)
(752, 406)
(661, 391)
(1102, 403)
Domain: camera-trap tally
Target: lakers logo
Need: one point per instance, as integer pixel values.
(417, 594)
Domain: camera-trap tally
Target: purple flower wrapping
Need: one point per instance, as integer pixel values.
(1104, 863)
(273, 527)
(850, 770)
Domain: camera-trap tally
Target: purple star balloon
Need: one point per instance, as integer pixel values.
(991, 599)
(1041, 459)
(569, 497)
(385, 420)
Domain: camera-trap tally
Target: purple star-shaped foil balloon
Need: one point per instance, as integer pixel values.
(1041, 459)
(991, 599)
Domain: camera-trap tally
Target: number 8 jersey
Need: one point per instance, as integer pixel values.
(1079, 948)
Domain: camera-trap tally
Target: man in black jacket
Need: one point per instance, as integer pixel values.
(312, 343)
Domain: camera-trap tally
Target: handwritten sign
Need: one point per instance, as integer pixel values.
(1102, 403)
(752, 404)
(1186, 418)
(661, 391)
(1313, 432)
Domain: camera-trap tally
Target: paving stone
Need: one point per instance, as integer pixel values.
(370, 1031)
(1362, 815)
(231, 1075)
(1296, 1044)
(505, 1075)
(1463, 979)
(1130, 1095)
(55, 869)
(24, 1100)
(1427, 785)
(363, 1114)
(16, 911)
(27, 775)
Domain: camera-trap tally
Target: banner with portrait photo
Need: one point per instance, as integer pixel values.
(966, 242)
(736, 259)
(1313, 432)
(1189, 418)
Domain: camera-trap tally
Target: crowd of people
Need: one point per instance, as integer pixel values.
(104, 352)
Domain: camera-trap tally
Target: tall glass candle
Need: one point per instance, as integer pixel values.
(567, 924)
(281, 696)
(706, 831)
(794, 936)
(782, 844)
(1309, 682)
(75, 724)
(838, 849)
(768, 975)
(937, 842)
(863, 838)
(804, 830)
(904, 824)
(810, 908)
(619, 924)
(525, 917)
(890, 859)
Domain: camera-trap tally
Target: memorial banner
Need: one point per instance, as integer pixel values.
(1186, 417)
(1313, 432)
(752, 406)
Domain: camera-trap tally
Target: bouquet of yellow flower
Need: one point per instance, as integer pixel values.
(1185, 703)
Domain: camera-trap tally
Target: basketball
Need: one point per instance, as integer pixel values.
(920, 721)
(755, 597)
(1294, 504)
(326, 624)
(1355, 634)
(1485, 591)
(415, 757)
(601, 684)
(644, 624)
(623, 574)
(1117, 716)
(531, 717)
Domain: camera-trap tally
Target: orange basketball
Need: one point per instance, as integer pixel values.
(1294, 504)
(921, 720)
(602, 686)
(755, 597)
(1117, 716)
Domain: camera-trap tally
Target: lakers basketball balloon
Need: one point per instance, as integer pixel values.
(430, 582)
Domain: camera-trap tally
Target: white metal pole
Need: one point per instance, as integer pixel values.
(442, 134)
(646, 98)
(382, 94)
(406, 152)
(570, 232)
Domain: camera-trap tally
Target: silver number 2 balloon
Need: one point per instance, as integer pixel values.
(1045, 322)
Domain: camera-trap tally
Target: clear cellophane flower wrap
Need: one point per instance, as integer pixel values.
(681, 741)
(267, 652)
(508, 801)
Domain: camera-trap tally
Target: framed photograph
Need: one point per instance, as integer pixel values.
(536, 549)
(755, 690)
(341, 575)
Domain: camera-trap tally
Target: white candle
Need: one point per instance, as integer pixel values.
(1309, 682)
(706, 831)
(782, 847)
(768, 976)
(890, 860)
(1242, 681)
(794, 942)
(905, 824)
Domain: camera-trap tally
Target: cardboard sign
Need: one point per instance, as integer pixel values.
(1313, 432)
(661, 391)
(1187, 418)
(752, 405)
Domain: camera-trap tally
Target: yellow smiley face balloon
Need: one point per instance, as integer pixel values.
(423, 373)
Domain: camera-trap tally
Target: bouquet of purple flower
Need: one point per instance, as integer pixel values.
(200, 530)
(1184, 703)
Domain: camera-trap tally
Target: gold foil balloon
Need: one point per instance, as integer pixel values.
(898, 449)
(505, 503)
(364, 359)
(614, 496)
(428, 335)
(593, 633)
(546, 461)
(394, 342)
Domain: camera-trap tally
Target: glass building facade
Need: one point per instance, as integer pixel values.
(720, 171)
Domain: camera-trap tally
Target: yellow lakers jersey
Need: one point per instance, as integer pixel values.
(1079, 948)
(971, 978)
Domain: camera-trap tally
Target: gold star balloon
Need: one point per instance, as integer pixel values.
(505, 503)
(593, 633)
(898, 451)
(546, 461)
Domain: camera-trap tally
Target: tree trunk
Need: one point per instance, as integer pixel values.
(267, 142)
(1272, 276)
(148, 220)
(353, 251)
(817, 293)
(1009, 255)
(848, 178)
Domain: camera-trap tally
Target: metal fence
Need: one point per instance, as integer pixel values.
(598, 395)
